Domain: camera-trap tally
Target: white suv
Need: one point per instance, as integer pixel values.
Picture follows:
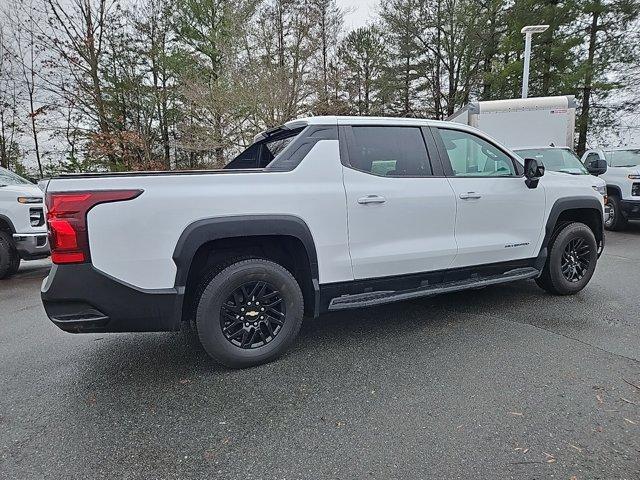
(623, 182)
(320, 214)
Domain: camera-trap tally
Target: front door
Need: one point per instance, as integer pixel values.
(401, 217)
(499, 218)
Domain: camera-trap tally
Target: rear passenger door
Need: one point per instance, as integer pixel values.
(401, 209)
(499, 219)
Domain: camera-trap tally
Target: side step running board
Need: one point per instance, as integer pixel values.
(379, 297)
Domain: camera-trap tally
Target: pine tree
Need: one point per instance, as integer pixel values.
(363, 56)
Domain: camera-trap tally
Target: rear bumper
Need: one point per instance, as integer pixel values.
(80, 299)
(630, 209)
(31, 245)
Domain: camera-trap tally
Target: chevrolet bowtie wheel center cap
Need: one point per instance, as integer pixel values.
(252, 315)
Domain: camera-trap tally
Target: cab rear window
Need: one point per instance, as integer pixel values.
(261, 153)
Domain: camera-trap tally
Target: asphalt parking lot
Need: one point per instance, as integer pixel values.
(504, 382)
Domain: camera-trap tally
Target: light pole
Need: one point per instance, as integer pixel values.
(528, 31)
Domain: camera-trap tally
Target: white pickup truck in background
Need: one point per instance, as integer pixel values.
(564, 160)
(622, 179)
(321, 214)
(23, 232)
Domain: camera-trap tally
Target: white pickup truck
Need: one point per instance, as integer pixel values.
(321, 214)
(23, 233)
(622, 178)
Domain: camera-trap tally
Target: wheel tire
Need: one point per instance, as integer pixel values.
(552, 279)
(9, 258)
(219, 287)
(15, 266)
(616, 219)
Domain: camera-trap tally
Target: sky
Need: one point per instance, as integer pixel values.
(359, 12)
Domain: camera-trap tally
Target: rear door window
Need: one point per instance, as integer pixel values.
(389, 151)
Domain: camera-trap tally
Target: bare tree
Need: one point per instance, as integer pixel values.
(75, 36)
(9, 123)
(153, 29)
(327, 21)
(28, 56)
(283, 62)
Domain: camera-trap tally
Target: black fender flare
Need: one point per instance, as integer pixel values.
(615, 189)
(8, 221)
(203, 231)
(562, 205)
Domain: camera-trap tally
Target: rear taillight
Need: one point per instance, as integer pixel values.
(67, 221)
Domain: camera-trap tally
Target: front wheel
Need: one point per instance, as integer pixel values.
(573, 254)
(9, 257)
(249, 313)
(615, 220)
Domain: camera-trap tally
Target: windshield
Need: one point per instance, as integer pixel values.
(556, 159)
(10, 178)
(623, 158)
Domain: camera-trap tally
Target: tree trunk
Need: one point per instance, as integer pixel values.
(34, 132)
(583, 122)
(218, 133)
(546, 66)
(490, 51)
(407, 70)
(4, 157)
(31, 91)
(451, 96)
(367, 87)
(325, 54)
(438, 72)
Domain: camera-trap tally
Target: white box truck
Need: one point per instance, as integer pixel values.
(523, 122)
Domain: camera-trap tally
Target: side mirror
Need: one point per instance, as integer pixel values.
(597, 166)
(533, 170)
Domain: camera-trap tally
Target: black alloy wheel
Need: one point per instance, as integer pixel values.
(571, 260)
(248, 312)
(575, 260)
(252, 315)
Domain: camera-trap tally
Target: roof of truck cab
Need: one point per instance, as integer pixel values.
(387, 121)
(353, 120)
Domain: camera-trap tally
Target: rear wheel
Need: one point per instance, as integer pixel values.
(573, 254)
(9, 258)
(249, 313)
(615, 220)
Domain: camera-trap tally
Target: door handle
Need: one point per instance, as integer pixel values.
(470, 196)
(371, 199)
